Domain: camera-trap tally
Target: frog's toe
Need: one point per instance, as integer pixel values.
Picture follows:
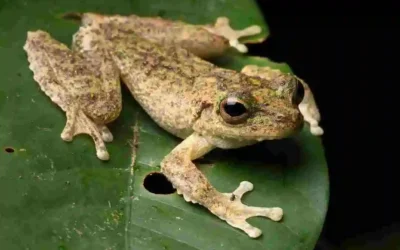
(316, 130)
(68, 131)
(222, 28)
(276, 214)
(244, 187)
(66, 136)
(106, 134)
(103, 155)
(237, 213)
(250, 230)
(107, 137)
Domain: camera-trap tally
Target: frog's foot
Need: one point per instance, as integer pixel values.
(311, 115)
(106, 134)
(231, 209)
(223, 28)
(79, 123)
(235, 213)
(309, 109)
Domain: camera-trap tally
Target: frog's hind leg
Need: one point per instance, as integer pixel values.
(43, 54)
(77, 122)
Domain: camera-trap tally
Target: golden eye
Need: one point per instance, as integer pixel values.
(233, 110)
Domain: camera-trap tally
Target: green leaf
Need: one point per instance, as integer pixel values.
(58, 195)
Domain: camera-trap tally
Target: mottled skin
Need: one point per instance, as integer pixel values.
(205, 41)
(307, 106)
(82, 82)
(183, 93)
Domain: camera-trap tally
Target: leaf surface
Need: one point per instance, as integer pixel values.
(58, 195)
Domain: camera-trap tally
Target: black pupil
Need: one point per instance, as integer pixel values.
(299, 95)
(234, 108)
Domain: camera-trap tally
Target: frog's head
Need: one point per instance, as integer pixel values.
(252, 108)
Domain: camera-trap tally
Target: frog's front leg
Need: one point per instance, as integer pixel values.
(307, 106)
(77, 85)
(194, 186)
(223, 28)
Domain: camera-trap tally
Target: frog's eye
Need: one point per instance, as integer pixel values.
(233, 110)
(299, 94)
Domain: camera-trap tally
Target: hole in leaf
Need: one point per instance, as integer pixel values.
(157, 183)
(9, 150)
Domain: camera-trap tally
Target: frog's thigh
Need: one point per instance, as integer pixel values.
(307, 107)
(194, 186)
(37, 47)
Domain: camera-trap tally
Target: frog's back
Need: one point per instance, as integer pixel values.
(161, 78)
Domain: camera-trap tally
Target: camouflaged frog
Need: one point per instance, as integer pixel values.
(205, 105)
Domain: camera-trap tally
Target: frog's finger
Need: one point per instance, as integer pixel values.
(86, 126)
(106, 134)
(309, 109)
(243, 188)
(273, 213)
(250, 230)
(222, 28)
(67, 133)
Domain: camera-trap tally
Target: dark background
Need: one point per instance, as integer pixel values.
(351, 64)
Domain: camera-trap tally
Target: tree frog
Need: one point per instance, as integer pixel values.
(163, 64)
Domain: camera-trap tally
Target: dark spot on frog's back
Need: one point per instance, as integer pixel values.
(282, 118)
(253, 128)
(93, 43)
(96, 31)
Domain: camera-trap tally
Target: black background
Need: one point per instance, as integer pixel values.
(351, 63)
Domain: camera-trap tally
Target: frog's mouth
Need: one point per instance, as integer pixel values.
(277, 133)
(276, 129)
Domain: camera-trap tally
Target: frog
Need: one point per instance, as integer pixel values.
(206, 106)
